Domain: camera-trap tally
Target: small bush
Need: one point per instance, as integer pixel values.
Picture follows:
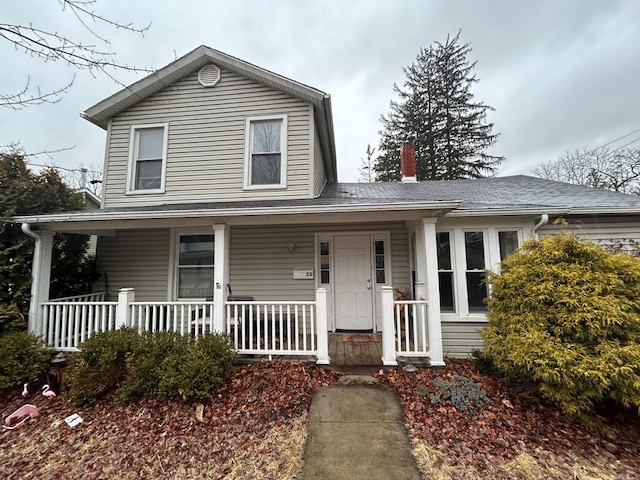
(100, 366)
(163, 364)
(565, 313)
(485, 364)
(462, 392)
(23, 358)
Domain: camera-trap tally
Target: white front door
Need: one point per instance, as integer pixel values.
(353, 287)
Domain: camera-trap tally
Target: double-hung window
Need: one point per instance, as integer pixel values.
(195, 266)
(445, 272)
(266, 152)
(147, 158)
(475, 270)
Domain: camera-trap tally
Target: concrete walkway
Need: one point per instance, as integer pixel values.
(356, 431)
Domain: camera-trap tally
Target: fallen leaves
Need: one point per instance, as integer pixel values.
(513, 432)
(149, 438)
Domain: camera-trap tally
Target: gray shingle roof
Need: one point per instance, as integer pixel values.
(500, 196)
(514, 192)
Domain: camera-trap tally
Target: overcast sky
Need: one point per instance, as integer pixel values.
(561, 75)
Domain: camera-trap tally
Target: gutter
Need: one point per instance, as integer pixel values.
(231, 212)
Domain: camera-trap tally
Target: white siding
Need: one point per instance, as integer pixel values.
(135, 259)
(262, 267)
(205, 157)
(459, 339)
(606, 231)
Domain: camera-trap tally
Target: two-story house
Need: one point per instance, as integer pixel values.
(221, 210)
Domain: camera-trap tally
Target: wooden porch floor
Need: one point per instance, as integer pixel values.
(355, 349)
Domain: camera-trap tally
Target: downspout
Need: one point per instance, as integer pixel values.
(544, 219)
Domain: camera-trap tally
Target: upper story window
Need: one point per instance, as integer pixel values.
(266, 152)
(147, 158)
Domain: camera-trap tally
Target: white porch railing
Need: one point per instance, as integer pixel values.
(405, 328)
(67, 323)
(256, 328)
(272, 328)
(410, 320)
(87, 297)
(183, 317)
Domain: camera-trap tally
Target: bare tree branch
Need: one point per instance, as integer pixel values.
(617, 170)
(52, 46)
(24, 98)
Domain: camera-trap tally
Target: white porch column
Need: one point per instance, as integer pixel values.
(322, 327)
(125, 297)
(40, 276)
(388, 327)
(220, 275)
(428, 273)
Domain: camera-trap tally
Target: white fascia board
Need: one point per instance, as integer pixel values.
(490, 212)
(235, 212)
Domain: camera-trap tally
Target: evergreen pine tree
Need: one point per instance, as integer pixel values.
(436, 111)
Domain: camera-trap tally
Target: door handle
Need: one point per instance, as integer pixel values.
(369, 284)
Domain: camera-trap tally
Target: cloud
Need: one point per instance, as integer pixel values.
(561, 75)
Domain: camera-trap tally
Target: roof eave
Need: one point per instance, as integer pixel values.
(101, 215)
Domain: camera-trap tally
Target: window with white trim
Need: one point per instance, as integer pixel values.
(508, 242)
(475, 266)
(147, 158)
(445, 272)
(194, 266)
(266, 152)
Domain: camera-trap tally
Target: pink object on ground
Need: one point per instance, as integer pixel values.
(25, 392)
(46, 392)
(25, 412)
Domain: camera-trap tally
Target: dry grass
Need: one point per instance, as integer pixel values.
(279, 455)
(436, 465)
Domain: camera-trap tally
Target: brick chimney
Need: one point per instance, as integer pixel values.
(408, 163)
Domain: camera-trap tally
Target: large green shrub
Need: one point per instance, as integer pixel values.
(164, 364)
(145, 366)
(565, 313)
(23, 358)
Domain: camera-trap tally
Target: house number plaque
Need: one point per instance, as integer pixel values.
(302, 274)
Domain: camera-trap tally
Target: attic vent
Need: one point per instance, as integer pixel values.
(209, 75)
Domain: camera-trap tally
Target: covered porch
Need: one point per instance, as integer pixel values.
(278, 285)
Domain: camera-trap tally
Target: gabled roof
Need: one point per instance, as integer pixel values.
(101, 112)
